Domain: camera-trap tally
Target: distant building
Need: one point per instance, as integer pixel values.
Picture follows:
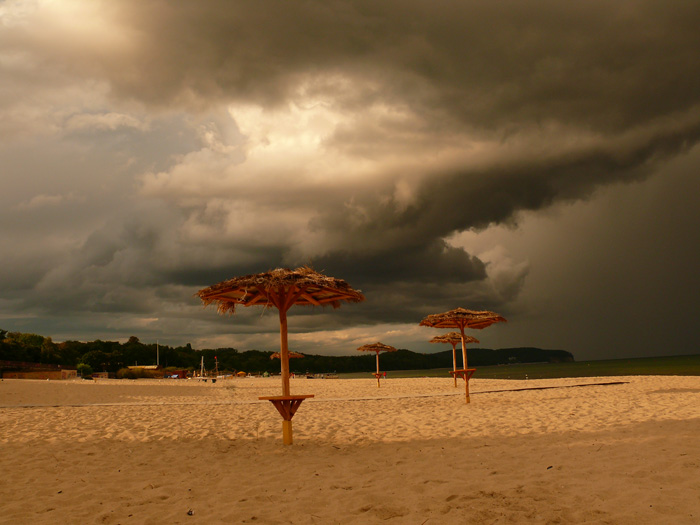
(42, 374)
(23, 370)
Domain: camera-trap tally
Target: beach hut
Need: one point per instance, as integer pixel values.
(281, 288)
(377, 347)
(453, 338)
(462, 318)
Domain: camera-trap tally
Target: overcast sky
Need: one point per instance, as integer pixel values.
(539, 159)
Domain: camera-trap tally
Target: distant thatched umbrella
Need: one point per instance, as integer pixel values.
(453, 338)
(292, 355)
(462, 318)
(281, 288)
(377, 347)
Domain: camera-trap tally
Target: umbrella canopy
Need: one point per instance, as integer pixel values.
(376, 347)
(462, 318)
(453, 338)
(280, 288)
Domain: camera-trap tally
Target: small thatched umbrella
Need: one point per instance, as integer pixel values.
(453, 338)
(281, 288)
(377, 347)
(462, 318)
(292, 355)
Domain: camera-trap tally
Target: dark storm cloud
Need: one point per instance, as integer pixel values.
(443, 263)
(460, 201)
(615, 80)
(406, 245)
(493, 68)
(488, 66)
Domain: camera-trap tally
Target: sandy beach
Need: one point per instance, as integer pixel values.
(412, 451)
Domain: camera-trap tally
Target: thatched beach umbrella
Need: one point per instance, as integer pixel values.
(281, 288)
(453, 338)
(292, 355)
(377, 347)
(462, 318)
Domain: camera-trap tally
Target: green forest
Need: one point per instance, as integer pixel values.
(112, 356)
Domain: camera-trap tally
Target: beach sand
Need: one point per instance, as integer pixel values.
(412, 451)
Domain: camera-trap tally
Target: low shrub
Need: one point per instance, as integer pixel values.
(84, 370)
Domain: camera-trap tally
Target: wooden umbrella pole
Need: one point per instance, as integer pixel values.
(464, 361)
(284, 353)
(378, 369)
(454, 362)
(287, 436)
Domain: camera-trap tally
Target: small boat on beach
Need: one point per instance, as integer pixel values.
(203, 376)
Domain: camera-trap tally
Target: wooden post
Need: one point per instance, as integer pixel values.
(287, 432)
(378, 385)
(284, 354)
(464, 361)
(454, 362)
(284, 359)
(287, 406)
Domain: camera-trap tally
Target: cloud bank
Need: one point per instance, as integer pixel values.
(151, 149)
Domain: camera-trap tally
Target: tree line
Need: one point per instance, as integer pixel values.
(112, 356)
